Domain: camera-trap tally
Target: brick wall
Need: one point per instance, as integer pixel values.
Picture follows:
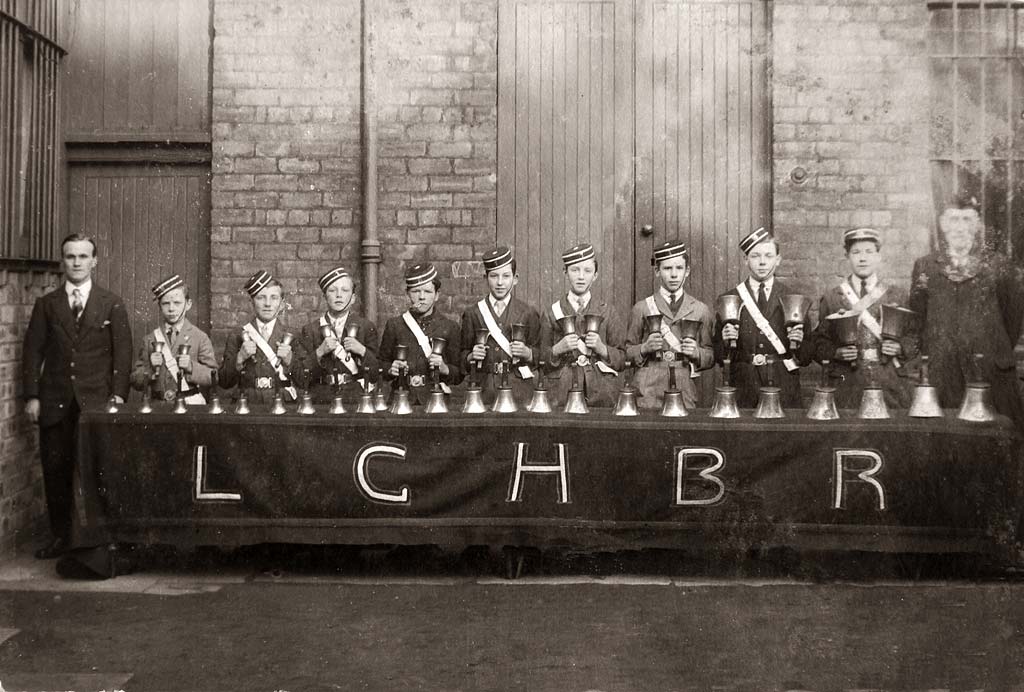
(850, 92)
(287, 179)
(22, 507)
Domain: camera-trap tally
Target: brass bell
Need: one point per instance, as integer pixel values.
(725, 403)
(729, 312)
(539, 402)
(366, 403)
(474, 402)
(794, 307)
(215, 409)
(400, 404)
(338, 406)
(977, 404)
(769, 403)
(504, 402)
(896, 321)
(926, 397)
(305, 407)
(592, 323)
(436, 403)
(278, 407)
(380, 402)
(626, 403)
(823, 405)
(576, 402)
(673, 407)
(242, 407)
(872, 404)
(179, 404)
(112, 405)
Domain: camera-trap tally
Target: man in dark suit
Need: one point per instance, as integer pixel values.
(77, 355)
(762, 353)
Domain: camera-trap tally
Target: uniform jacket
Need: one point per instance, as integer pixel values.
(652, 376)
(433, 325)
(850, 381)
(322, 369)
(204, 362)
(87, 364)
(977, 310)
(515, 312)
(601, 388)
(256, 367)
(748, 378)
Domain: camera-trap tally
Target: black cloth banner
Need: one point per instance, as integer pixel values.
(594, 481)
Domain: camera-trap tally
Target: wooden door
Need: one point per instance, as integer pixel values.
(149, 221)
(565, 141)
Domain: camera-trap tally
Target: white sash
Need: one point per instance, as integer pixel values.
(763, 324)
(666, 333)
(423, 340)
(340, 353)
(171, 363)
(556, 310)
(275, 362)
(859, 306)
(499, 337)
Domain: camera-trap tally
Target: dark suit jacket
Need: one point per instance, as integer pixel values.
(516, 311)
(435, 325)
(87, 364)
(255, 367)
(601, 388)
(320, 369)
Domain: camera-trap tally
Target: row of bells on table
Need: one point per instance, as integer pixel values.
(976, 405)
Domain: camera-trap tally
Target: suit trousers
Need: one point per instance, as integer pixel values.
(57, 446)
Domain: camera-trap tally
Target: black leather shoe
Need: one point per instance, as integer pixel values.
(57, 548)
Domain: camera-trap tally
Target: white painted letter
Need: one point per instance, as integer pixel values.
(683, 455)
(864, 475)
(199, 491)
(363, 483)
(515, 487)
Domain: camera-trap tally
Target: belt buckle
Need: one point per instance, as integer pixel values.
(416, 380)
(668, 356)
(168, 395)
(759, 359)
(263, 383)
(582, 360)
(870, 355)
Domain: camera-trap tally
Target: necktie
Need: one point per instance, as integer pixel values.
(863, 287)
(76, 304)
(170, 335)
(265, 331)
(499, 307)
(676, 301)
(762, 298)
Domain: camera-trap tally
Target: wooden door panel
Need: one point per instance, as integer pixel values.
(565, 141)
(149, 222)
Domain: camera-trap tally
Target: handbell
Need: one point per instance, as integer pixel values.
(147, 406)
(653, 323)
(215, 408)
(592, 323)
(366, 404)
(306, 407)
(242, 407)
(896, 321)
(112, 405)
(278, 407)
(380, 401)
(673, 403)
(567, 324)
(769, 403)
(872, 404)
(400, 405)
(351, 331)
(977, 404)
(518, 332)
(823, 405)
(794, 308)
(474, 402)
(286, 339)
(926, 397)
(725, 403)
(179, 404)
(729, 311)
(436, 403)
(689, 329)
(437, 344)
(576, 402)
(539, 402)
(338, 406)
(625, 405)
(504, 402)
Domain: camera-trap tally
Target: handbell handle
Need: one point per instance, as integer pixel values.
(671, 378)
(824, 371)
(924, 382)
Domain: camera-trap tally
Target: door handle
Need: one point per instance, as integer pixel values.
(647, 230)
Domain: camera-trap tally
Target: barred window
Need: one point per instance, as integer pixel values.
(29, 130)
(977, 112)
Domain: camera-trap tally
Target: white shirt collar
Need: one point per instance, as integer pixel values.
(872, 281)
(84, 289)
(667, 294)
(768, 283)
(338, 322)
(269, 328)
(579, 301)
(494, 301)
(176, 327)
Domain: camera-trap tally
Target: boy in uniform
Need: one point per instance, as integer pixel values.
(598, 355)
(497, 313)
(159, 352)
(347, 356)
(655, 351)
(415, 329)
(762, 352)
(257, 357)
(880, 360)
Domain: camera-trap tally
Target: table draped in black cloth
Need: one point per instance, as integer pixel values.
(595, 481)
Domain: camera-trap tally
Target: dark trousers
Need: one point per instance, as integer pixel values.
(57, 446)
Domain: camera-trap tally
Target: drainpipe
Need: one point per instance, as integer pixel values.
(370, 245)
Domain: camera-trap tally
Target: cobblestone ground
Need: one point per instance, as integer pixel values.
(426, 619)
